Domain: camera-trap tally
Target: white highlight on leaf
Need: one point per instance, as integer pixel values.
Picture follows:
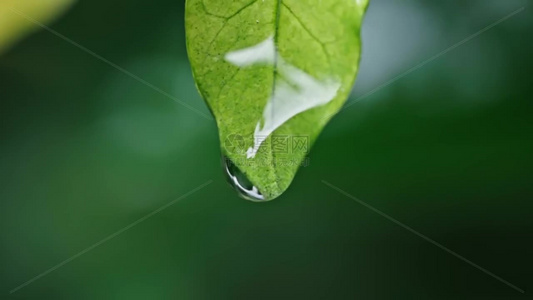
(294, 92)
(262, 53)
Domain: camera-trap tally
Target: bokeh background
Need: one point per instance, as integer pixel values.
(86, 150)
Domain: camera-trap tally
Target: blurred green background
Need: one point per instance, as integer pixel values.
(86, 150)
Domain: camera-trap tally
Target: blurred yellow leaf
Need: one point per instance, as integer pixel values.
(16, 16)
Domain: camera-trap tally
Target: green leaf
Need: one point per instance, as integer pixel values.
(20, 17)
(273, 72)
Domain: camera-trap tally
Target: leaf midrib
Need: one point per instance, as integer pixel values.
(274, 81)
(276, 54)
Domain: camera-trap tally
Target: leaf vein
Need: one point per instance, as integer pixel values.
(274, 78)
(227, 18)
(322, 44)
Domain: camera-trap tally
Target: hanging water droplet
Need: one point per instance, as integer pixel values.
(239, 182)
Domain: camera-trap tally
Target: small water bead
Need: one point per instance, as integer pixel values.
(241, 183)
